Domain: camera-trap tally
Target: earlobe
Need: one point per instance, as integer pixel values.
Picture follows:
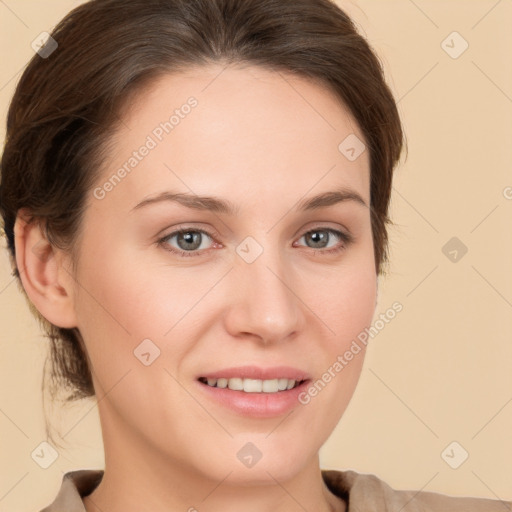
(47, 283)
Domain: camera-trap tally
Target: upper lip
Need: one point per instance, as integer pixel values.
(255, 372)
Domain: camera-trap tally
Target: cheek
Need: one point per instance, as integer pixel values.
(346, 308)
(124, 312)
(344, 299)
(116, 311)
(121, 292)
(122, 301)
(351, 306)
(348, 313)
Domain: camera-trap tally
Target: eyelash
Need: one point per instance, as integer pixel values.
(346, 239)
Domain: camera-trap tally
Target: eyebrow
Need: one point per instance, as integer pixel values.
(217, 205)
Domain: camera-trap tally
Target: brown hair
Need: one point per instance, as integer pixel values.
(66, 104)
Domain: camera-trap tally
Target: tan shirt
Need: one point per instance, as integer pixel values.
(362, 492)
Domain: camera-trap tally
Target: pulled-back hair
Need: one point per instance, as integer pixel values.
(67, 102)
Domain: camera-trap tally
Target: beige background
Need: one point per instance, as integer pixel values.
(441, 370)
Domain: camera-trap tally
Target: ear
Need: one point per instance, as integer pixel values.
(47, 282)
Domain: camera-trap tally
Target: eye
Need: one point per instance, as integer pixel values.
(192, 242)
(189, 241)
(320, 238)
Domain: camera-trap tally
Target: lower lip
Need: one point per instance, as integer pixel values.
(256, 405)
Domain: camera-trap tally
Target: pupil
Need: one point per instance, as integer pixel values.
(190, 238)
(318, 237)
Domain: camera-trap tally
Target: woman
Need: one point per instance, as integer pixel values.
(195, 197)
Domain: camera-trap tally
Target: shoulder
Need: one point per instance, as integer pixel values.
(369, 493)
(75, 484)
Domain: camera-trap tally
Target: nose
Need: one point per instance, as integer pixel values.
(264, 302)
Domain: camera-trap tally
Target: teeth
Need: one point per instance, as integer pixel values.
(252, 385)
(270, 386)
(222, 383)
(291, 383)
(236, 384)
(282, 384)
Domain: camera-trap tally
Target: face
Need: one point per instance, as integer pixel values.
(239, 281)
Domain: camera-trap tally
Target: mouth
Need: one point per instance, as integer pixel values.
(252, 385)
(255, 392)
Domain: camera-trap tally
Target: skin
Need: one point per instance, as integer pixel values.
(262, 140)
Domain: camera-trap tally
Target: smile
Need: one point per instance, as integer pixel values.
(255, 392)
(252, 385)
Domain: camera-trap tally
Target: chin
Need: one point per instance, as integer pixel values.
(261, 459)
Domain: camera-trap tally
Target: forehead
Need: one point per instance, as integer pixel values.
(217, 128)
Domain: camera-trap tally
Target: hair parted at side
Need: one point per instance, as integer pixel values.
(65, 106)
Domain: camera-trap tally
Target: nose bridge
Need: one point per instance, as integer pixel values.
(266, 305)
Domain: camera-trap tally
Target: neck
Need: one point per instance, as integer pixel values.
(138, 476)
